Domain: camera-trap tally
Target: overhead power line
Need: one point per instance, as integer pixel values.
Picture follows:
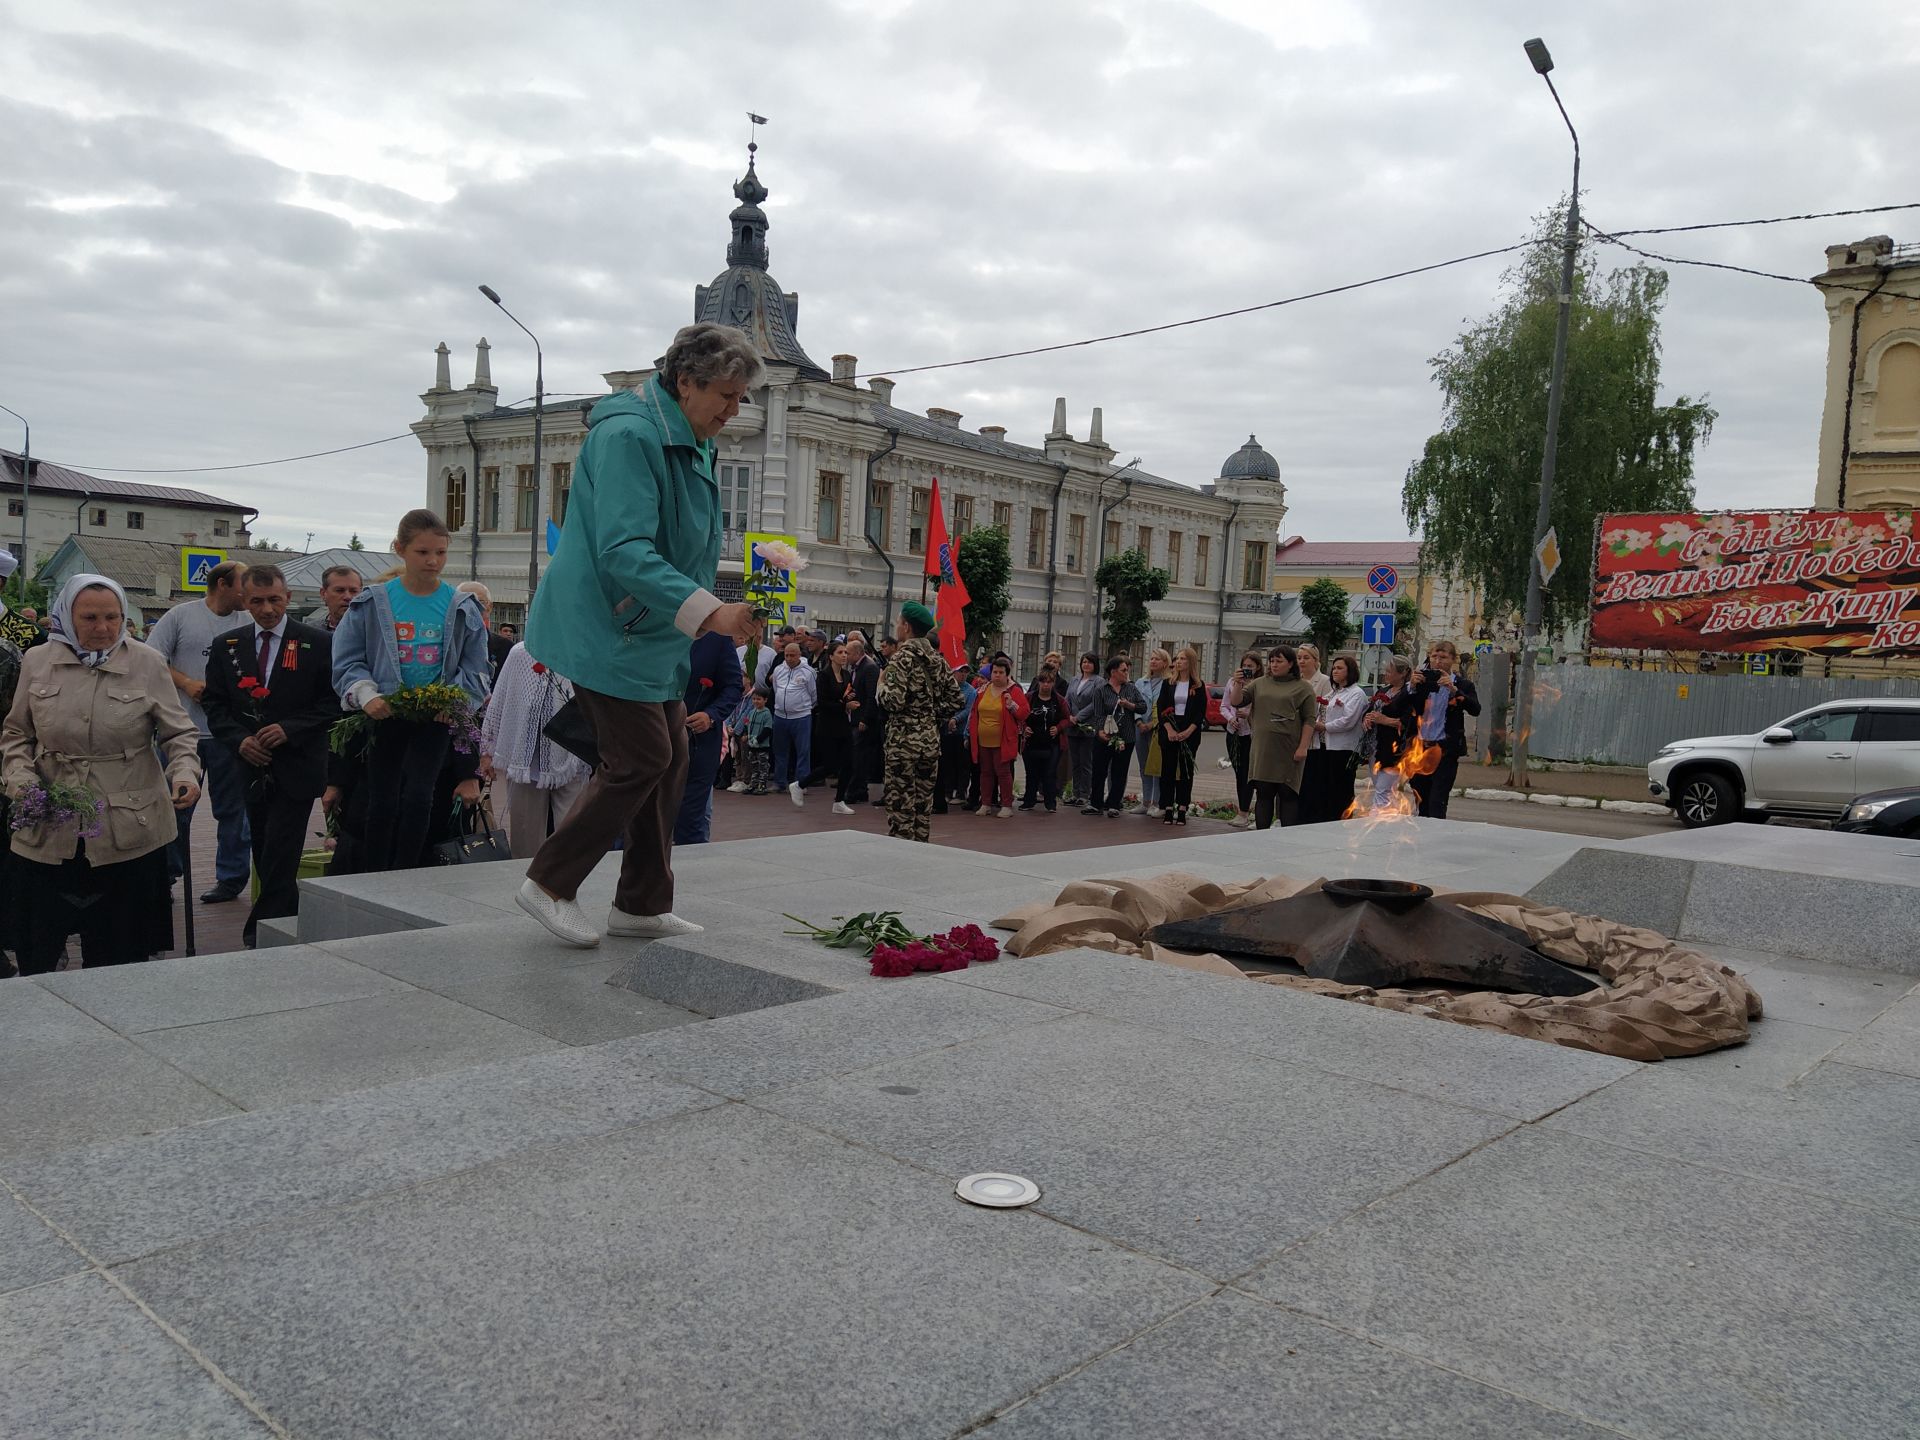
(1613, 238)
(1770, 220)
(1199, 319)
(249, 465)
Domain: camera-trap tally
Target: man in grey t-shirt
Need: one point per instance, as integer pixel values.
(184, 636)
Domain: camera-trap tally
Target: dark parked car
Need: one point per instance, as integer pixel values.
(1884, 812)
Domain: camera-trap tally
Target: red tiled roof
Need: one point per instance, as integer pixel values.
(1296, 553)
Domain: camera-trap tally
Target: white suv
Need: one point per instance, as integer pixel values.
(1810, 764)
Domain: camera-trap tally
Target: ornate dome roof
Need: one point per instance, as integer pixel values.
(1250, 462)
(744, 295)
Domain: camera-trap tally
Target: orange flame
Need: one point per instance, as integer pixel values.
(1421, 758)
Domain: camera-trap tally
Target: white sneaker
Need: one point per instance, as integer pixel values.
(1225, 762)
(648, 927)
(793, 792)
(1154, 812)
(738, 787)
(563, 918)
(840, 807)
(1006, 812)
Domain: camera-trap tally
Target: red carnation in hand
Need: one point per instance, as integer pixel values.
(538, 668)
(705, 683)
(247, 682)
(260, 692)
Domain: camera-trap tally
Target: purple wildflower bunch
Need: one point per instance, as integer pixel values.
(55, 805)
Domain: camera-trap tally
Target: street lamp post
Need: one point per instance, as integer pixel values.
(1543, 521)
(26, 493)
(539, 479)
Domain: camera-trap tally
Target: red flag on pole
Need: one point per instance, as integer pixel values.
(943, 565)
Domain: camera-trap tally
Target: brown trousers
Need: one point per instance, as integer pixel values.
(635, 793)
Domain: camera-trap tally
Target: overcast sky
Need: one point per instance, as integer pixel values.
(236, 231)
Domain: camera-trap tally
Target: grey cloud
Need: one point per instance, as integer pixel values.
(951, 181)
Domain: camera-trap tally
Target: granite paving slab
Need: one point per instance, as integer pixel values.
(30, 1252)
(1236, 1368)
(573, 1004)
(71, 1092)
(1663, 1298)
(131, 1197)
(724, 1273)
(196, 989)
(1854, 1137)
(1204, 1155)
(295, 1055)
(1622, 885)
(1505, 1074)
(1777, 1054)
(83, 1361)
(1814, 992)
(1794, 913)
(451, 956)
(790, 1045)
(1891, 1042)
(31, 1014)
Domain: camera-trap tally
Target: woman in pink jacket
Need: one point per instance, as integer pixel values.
(994, 727)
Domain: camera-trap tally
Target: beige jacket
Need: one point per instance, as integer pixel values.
(98, 727)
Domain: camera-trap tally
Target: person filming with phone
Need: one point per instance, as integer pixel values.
(1442, 698)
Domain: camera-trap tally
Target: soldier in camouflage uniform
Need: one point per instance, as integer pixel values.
(918, 693)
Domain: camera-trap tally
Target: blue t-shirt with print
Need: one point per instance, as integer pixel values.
(418, 623)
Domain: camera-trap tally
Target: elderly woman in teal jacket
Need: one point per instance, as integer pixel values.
(628, 590)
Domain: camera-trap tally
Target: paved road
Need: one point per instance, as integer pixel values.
(1601, 824)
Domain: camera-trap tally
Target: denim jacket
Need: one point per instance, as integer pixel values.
(366, 657)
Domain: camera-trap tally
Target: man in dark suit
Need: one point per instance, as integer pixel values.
(270, 699)
(713, 689)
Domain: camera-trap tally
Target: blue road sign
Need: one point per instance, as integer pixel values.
(1376, 629)
(1383, 579)
(194, 565)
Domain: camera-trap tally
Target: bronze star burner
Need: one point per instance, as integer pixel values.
(1378, 933)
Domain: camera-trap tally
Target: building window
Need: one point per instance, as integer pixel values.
(1112, 545)
(136, 519)
(1070, 656)
(1202, 559)
(100, 517)
(1029, 654)
(917, 521)
(1076, 543)
(1253, 569)
(1174, 547)
(880, 513)
(827, 521)
(1036, 538)
(507, 613)
(562, 484)
(1146, 542)
(455, 511)
(736, 498)
(526, 498)
(962, 515)
(17, 507)
(490, 497)
(220, 527)
(1003, 516)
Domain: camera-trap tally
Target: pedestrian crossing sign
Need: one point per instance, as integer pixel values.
(195, 564)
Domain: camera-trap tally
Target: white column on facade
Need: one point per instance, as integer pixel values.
(774, 517)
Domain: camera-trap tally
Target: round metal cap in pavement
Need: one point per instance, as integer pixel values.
(1000, 1192)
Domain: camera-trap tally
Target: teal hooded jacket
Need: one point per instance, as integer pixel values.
(628, 587)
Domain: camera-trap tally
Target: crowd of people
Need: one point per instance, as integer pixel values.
(397, 704)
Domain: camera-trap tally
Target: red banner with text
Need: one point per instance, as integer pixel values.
(1833, 582)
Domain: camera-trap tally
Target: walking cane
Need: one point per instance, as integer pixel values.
(186, 889)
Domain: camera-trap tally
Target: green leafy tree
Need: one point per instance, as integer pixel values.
(355, 543)
(1406, 626)
(1325, 606)
(1474, 492)
(986, 564)
(1131, 584)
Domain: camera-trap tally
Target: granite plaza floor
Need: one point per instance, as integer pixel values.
(424, 1173)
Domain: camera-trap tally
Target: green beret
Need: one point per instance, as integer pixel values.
(917, 615)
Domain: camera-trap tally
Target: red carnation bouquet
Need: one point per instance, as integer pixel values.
(896, 951)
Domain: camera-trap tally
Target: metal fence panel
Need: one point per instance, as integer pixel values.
(1623, 717)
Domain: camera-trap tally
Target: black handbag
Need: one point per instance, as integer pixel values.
(478, 841)
(573, 732)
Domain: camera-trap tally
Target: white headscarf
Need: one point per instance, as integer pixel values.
(62, 613)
